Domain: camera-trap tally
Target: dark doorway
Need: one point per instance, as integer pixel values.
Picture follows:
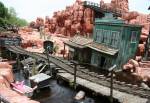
(98, 14)
(102, 61)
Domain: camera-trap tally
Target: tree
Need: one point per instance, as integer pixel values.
(14, 19)
(12, 12)
(9, 16)
(3, 11)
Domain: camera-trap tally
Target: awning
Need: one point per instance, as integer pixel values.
(79, 42)
(72, 44)
(102, 48)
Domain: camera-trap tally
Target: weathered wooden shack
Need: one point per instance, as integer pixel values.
(78, 50)
(114, 42)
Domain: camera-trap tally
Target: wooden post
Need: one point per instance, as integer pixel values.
(10, 56)
(18, 61)
(68, 56)
(33, 69)
(111, 69)
(64, 51)
(75, 74)
(47, 54)
(111, 88)
(24, 57)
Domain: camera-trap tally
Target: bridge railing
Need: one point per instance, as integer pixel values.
(104, 9)
(89, 3)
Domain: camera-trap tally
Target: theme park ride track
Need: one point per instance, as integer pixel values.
(85, 73)
(96, 7)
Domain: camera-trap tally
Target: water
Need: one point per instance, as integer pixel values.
(61, 93)
(56, 94)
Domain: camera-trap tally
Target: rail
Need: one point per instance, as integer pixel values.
(83, 72)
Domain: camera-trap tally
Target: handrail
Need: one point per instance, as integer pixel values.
(95, 6)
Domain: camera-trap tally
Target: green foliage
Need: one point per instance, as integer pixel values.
(3, 21)
(3, 11)
(9, 16)
(17, 21)
(12, 12)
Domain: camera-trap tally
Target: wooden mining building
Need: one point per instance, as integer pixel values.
(8, 39)
(113, 42)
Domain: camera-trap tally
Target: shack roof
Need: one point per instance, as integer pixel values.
(114, 22)
(83, 42)
(9, 34)
(79, 42)
(102, 48)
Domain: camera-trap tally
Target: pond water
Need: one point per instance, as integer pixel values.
(61, 93)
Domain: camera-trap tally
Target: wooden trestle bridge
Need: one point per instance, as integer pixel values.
(129, 91)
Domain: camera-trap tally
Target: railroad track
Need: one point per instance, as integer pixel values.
(84, 73)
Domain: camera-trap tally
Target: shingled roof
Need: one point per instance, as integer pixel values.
(83, 42)
(102, 48)
(79, 42)
(8, 34)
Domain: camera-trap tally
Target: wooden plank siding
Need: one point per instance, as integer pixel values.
(115, 35)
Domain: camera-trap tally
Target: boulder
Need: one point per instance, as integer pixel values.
(7, 73)
(80, 95)
(130, 15)
(5, 65)
(134, 62)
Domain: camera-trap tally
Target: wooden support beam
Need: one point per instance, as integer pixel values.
(47, 54)
(10, 55)
(64, 51)
(18, 61)
(75, 75)
(68, 56)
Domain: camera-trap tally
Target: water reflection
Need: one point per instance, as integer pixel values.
(56, 94)
(61, 93)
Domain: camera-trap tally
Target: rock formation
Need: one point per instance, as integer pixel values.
(74, 19)
(137, 66)
(77, 19)
(116, 5)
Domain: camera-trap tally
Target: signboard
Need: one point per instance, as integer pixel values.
(10, 41)
(48, 45)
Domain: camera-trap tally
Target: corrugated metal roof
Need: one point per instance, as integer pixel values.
(114, 22)
(102, 48)
(79, 42)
